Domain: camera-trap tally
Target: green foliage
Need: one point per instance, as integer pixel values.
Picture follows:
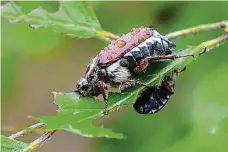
(72, 18)
(198, 120)
(216, 111)
(75, 115)
(10, 145)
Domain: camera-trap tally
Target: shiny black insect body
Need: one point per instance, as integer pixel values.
(153, 99)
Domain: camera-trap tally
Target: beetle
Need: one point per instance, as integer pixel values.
(153, 98)
(118, 63)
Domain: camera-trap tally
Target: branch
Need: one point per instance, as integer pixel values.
(107, 36)
(104, 35)
(197, 29)
(215, 42)
(26, 131)
(39, 141)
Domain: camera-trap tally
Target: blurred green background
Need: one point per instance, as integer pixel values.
(36, 62)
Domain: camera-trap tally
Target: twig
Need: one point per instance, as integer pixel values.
(38, 141)
(197, 29)
(215, 42)
(209, 45)
(107, 36)
(26, 131)
(104, 35)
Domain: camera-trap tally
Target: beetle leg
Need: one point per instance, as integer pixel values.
(124, 85)
(166, 83)
(143, 64)
(167, 87)
(140, 83)
(117, 108)
(103, 87)
(180, 70)
(172, 57)
(168, 57)
(132, 82)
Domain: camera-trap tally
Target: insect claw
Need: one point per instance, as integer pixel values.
(118, 108)
(121, 87)
(179, 71)
(205, 50)
(106, 112)
(194, 57)
(108, 116)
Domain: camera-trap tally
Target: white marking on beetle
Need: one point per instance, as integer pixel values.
(120, 74)
(128, 54)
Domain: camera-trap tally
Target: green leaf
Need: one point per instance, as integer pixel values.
(72, 18)
(10, 145)
(76, 115)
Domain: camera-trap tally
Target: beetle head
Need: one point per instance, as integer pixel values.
(89, 85)
(83, 87)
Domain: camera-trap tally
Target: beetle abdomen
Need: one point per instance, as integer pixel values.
(153, 46)
(153, 99)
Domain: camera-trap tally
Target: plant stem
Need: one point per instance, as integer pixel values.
(104, 35)
(26, 131)
(215, 42)
(197, 29)
(39, 141)
(107, 36)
